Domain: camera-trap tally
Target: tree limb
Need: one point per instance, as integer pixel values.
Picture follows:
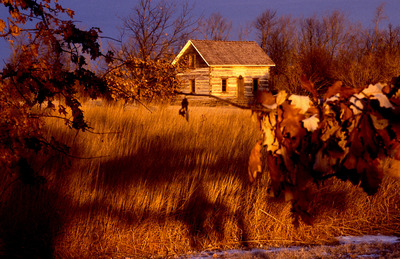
(254, 108)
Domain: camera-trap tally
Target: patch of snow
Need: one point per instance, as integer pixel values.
(262, 253)
(368, 239)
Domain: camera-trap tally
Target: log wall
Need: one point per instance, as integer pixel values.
(208, 80)
(232, 74)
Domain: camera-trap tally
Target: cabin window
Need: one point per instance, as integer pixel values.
(224, 84)
(192, 61)
(192, 86)
(255, 85)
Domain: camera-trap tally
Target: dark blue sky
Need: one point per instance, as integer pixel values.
(106, 14)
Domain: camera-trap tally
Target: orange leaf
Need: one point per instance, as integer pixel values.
(274, 165)
(291, 126)
(70, 13)
(393, 169)
(2, 25)
(346, 112)
(346, 92)
(266, 99)
(350, 162)
(395, 150)
(255, 164)
(371, 174)
(309, 86)
(333, 89)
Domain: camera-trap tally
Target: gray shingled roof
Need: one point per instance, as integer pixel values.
(245, 53)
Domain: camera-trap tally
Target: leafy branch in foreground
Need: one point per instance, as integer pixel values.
(347, 134)
(44, 77)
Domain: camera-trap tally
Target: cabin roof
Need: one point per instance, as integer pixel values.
(228, 53)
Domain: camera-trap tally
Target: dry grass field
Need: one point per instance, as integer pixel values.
(153, 185)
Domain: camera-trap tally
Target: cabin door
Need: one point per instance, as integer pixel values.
(240, 87)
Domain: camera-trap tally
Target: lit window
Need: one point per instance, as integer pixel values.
(224, 83)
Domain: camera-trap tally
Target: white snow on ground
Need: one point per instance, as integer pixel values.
(368, 239)
(257, 252)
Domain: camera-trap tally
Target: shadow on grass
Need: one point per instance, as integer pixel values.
(160, 164)
(29, 222)
(32, 217)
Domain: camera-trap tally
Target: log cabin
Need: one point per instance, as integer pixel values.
(233, 70)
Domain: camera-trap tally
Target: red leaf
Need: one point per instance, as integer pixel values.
(265, 98)
(371, 174)
(274, 165)
(309, 86)
(346, 92)
(346, 112)
(333, 89)
(255, 164)
(291, 126)
(395, 149)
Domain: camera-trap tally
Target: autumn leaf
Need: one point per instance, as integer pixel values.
(255, 164)
(333, 90)
(371, 174)
(395, 149)
(275, 171)
(347, 92)
(70, 13)
(345, 112)
(291, 126)
(281, 97)
(323, 162)
(375, 92)
(311, 123)
(309, 86)
(393, 169)
(361, 139)
(268, 127)
(266, 99)
(303, 103)
(356, 103)
(2, 25)
(328, 128)
(379, 123)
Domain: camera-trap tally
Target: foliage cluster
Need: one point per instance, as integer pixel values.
(347, 134)
(142, 80)
(44, 76)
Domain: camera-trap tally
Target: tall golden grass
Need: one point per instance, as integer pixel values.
(152, 184)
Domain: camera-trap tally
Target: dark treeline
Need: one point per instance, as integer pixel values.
(327, 49)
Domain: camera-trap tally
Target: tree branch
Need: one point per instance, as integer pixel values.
(243, 107)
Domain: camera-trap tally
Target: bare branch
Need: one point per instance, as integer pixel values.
(215, 27)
